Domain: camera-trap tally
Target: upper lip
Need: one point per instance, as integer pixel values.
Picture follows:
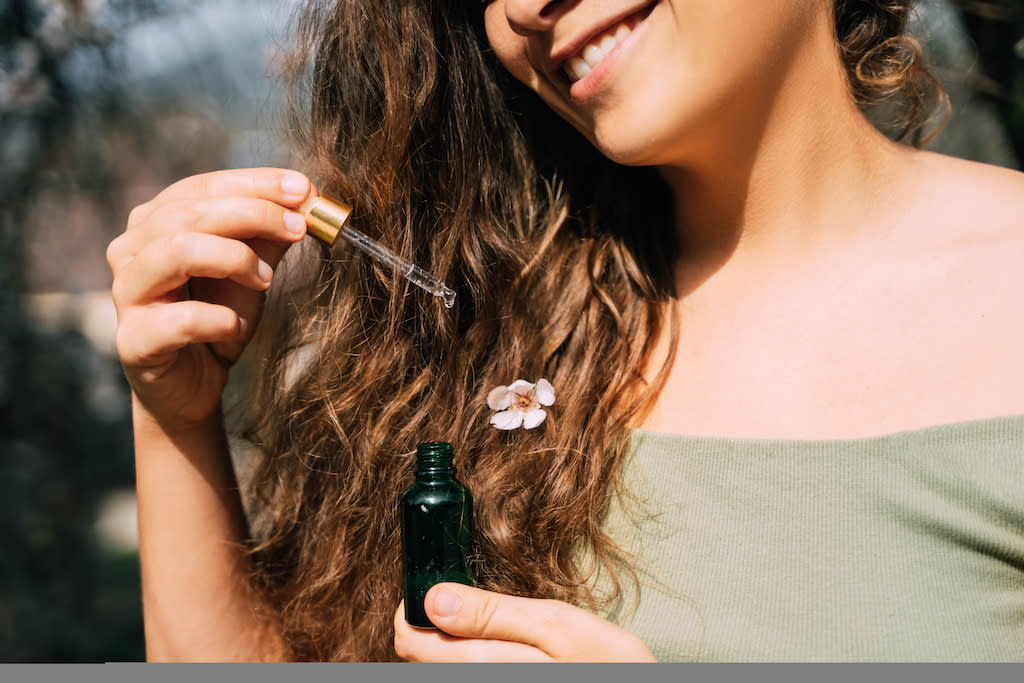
(572, 46)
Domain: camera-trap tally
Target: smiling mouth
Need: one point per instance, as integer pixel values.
(601, 45)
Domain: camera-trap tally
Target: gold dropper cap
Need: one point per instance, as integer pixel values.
(325, 216)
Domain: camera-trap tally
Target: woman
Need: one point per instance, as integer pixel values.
(746, 283)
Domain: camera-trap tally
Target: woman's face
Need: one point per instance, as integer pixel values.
(640, 78)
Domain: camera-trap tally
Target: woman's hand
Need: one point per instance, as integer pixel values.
(190, 274)
(481, 626)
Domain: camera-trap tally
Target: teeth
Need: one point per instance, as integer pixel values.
(591, 55)
(576, 68)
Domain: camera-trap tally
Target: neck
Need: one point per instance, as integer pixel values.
(779, 176)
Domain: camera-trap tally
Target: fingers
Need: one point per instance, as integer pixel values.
(148, 336)
(166, 264)
(255, 204)
(282, 186)
(238, 218)
(428, 645)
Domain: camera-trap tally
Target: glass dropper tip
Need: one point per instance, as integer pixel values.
(447, 296)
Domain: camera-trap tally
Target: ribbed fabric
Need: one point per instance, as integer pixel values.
(908, 547)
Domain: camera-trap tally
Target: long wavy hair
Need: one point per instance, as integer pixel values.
(450, 163)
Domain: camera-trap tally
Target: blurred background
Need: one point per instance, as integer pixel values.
(102, 104)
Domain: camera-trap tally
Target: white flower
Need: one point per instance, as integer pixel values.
(520, 404)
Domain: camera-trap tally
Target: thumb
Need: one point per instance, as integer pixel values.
(469, 612)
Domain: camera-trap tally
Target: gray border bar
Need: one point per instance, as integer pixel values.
(513, 673)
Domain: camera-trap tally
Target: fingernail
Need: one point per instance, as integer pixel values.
(295, 222)
(265, 272)
(446, 603)
(243, 326)
(294, 184)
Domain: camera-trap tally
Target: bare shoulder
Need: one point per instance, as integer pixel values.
(963, 213)
(966, 219)
(970, 221)
(972, 200)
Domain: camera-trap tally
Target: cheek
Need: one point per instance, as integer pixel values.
(509, 47)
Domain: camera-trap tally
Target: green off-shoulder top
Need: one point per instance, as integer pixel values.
(905, 547)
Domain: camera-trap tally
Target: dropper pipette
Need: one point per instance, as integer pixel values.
(325, 220)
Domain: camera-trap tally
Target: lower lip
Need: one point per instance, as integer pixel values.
(588, 86)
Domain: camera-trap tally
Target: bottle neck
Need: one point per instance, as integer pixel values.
(434, 462)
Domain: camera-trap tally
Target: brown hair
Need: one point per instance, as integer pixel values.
(458, 168)
(885, 67)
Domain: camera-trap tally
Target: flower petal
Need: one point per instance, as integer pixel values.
(534, 417)
(507, 419)
(499, 398)
(521, 387)
(544, 393)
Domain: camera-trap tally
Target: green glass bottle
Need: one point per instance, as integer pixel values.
(437, 529)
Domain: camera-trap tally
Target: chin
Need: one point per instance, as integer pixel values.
(632, 147)
(649, 137)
